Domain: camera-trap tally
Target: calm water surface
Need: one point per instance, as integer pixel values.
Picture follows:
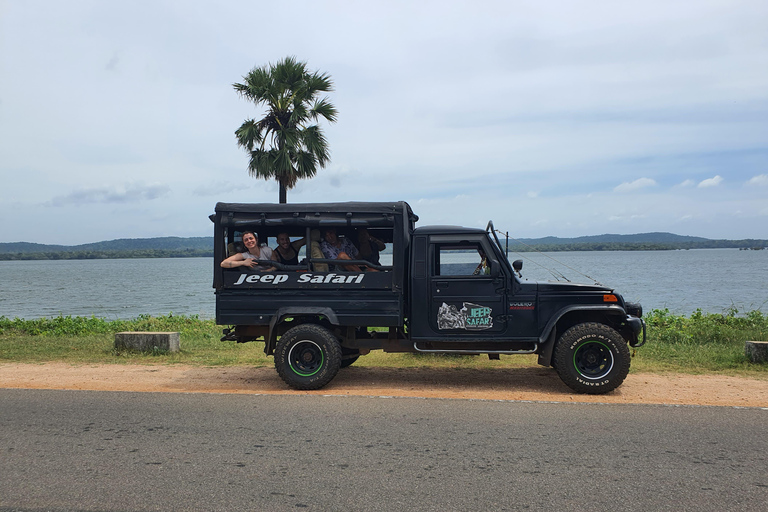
(710, 279)
(119, 288)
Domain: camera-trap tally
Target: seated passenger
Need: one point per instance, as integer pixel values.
(483, 269)
(369, 246)
(234, 248)
(252, 254)
(335, 249)
(287, 252)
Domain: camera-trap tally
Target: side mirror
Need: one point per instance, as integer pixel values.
(517, 265)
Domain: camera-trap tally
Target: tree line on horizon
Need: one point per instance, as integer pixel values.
(513, 246)
(106, 255)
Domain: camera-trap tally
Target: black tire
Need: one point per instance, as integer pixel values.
(307, 356)
(349, 356)
(592, 358)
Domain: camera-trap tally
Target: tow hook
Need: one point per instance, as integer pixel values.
(229, 334)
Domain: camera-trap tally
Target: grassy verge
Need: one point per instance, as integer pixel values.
(699, 343)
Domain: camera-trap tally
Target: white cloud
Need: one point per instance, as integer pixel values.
(129, 193)
(760, 180)
(635, 185)
(711, 182)
(568, 100)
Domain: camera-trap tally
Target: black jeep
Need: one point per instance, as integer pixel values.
(319, 316)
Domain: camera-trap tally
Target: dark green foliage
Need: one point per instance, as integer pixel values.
(702, 342)
(283, 145)
(84, 326)
(707, 328)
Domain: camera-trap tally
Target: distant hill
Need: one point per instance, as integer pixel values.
(640, 238)
(121, 244)
(638, 242)
(177, 247)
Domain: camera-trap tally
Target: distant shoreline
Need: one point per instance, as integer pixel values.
(202, 247)
(105, 255)
(513, 246)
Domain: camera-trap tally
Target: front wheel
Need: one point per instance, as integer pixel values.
(307, 356)
(592, 358)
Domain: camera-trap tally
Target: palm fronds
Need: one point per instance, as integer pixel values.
(290, 95)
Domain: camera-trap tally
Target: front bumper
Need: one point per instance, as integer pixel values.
(637, 325)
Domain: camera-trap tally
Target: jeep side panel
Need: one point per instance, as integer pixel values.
(251, 297)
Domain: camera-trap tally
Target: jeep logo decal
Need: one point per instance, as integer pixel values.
(471, 317)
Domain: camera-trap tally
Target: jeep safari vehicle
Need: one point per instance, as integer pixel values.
(316, 317)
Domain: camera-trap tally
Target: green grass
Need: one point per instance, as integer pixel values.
(91, 340)
(702, 342)
(699, 343)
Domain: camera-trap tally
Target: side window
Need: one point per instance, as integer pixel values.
(465, 259)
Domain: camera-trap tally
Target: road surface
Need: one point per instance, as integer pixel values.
(121, 451)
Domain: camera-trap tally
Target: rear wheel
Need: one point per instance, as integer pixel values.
(307, 356)
(592, 358)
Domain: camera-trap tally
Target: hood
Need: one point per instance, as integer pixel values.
(546, 287)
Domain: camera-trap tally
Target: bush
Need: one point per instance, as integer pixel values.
(706, 328)
(82, 326)
(703, 342)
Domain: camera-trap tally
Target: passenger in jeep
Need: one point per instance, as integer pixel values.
(483, 269)
(335, 249)
(369, 246)
(287, 252)
(252, 255)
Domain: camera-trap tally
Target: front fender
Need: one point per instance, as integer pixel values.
(548, 335)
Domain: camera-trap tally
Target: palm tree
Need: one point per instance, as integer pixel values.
(284, 144)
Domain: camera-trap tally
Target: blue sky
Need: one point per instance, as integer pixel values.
(563, 118)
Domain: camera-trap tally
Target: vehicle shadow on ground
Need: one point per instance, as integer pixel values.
(493, 384)
(541, 380)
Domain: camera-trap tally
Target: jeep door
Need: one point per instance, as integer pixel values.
(467, 298)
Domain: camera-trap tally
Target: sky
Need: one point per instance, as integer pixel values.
(557, 118)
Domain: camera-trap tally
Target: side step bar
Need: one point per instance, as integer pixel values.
(470, 352)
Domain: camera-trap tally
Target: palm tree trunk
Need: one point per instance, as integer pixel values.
(283, 194)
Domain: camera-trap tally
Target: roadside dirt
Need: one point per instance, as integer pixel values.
(529, 384)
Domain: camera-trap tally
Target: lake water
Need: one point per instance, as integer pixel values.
(710, 279)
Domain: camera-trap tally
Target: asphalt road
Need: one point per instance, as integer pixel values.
(118, 451)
